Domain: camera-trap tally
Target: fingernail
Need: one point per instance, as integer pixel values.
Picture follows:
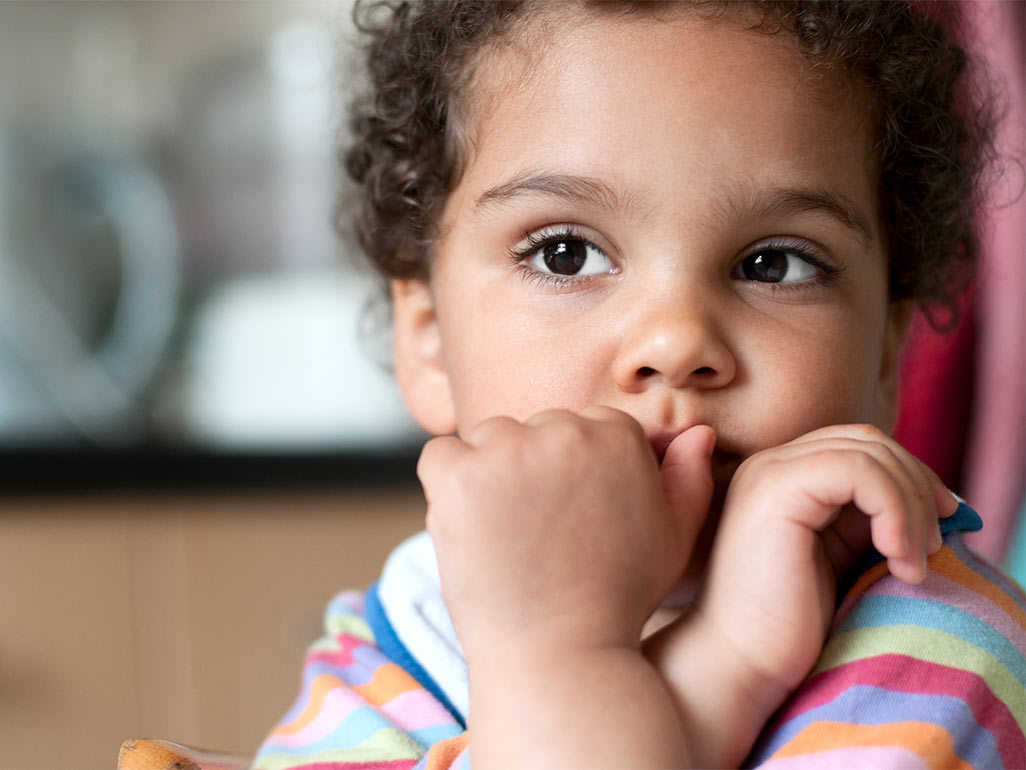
(953, 505)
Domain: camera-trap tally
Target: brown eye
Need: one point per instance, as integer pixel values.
(765, 266)
(777, 266)
(565, 257)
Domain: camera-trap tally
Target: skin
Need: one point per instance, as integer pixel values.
(604, 418)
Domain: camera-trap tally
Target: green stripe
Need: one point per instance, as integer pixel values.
(386, 745)
(346, 623)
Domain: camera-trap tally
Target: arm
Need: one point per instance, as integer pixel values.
(795, 517)
(944, 660)
(572, 707)
(555, 544)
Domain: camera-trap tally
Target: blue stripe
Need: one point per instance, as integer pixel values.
(882, 611)
(867, 705)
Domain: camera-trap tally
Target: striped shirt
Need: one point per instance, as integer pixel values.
(931, 675)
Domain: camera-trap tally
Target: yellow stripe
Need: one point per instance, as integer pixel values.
(386, 745)
(347, 623)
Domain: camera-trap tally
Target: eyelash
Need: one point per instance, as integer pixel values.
(828, 271)
(532, 242)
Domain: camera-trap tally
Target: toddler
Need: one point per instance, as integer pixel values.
(650, 267)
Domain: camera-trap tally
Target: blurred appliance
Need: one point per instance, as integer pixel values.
(89, 286)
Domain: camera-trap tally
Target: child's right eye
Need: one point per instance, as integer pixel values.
(563, 254)
(571, 257)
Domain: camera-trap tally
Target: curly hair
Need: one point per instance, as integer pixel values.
(934, 122)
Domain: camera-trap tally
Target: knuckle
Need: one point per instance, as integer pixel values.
(565, 430)
(870, 431)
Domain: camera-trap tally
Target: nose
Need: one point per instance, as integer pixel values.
(676, 344)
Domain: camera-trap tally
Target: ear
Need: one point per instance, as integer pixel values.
(899, 315)
(419, 366)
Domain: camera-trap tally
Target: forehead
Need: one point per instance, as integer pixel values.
(645, 101)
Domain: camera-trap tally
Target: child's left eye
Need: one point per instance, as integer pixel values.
(778, 265)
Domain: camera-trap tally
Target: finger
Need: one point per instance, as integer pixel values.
(833, 477)
(488, 429)
(922, 532)
(609, 414)
(687, 483)
(919, 529)
(549, 416)
(913, 521)
(855, 431)
(436, 457)
(945, 501)
(933, 501)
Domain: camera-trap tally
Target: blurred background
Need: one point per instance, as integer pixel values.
(200, 440)
(172, 291)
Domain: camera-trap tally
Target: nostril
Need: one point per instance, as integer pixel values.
(707, 370)
(646, 371)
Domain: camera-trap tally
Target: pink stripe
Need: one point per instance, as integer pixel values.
(415, 710)
(343, 656)
(387, 764)
(901, 673)
(338, 704)
(847, 758)
(941, 589)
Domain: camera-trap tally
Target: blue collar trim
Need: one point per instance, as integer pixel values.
(390, 644)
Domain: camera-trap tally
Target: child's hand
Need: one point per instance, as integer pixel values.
(559, 525)
(795, 518)
(555, 543)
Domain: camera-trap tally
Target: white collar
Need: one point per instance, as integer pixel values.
(410, 593)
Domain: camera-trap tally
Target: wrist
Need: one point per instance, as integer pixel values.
(564, 635)
(723, 700)
(597, 706)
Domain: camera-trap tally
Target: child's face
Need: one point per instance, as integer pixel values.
(667, 173)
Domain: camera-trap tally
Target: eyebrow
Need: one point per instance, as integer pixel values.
(746, 204)
(569, 187)
(781, 201)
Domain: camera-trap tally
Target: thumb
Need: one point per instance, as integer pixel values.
(686, 477)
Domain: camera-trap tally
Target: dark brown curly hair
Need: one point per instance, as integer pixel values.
(934, 121)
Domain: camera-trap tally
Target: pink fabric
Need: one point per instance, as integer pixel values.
(963, 395)
(936, 393)
(995, 471)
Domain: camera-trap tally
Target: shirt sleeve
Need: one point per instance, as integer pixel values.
(930, 675)
(358, 710)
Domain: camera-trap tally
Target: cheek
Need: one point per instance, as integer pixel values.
(499, 364)
(825, 377)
